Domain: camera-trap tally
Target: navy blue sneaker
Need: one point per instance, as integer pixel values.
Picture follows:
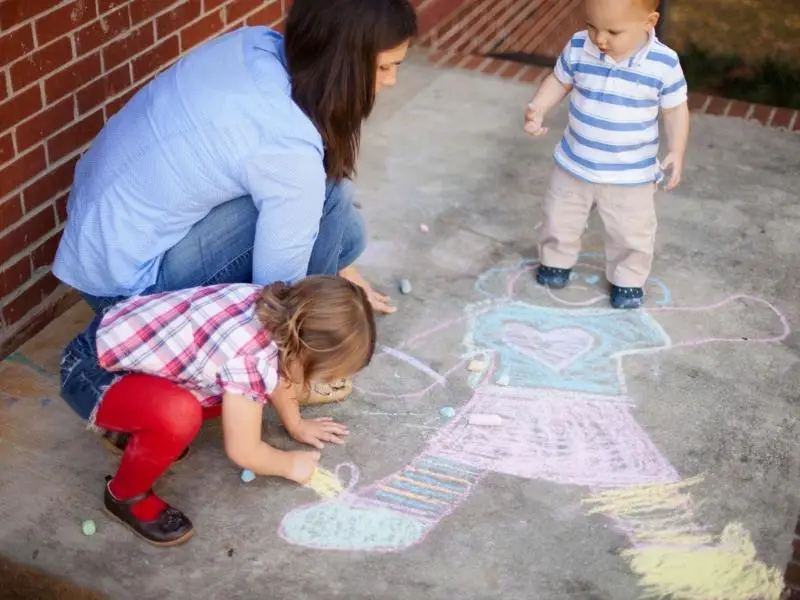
(626, 297)
(553, 277)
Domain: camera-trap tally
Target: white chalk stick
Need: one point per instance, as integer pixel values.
(476, 366)
(486, 420)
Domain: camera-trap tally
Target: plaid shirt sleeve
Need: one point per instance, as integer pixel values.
(251, 376)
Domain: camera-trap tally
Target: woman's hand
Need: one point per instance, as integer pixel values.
(379, 302)
(318, 432)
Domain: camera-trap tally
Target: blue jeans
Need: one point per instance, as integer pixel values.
(219, 249)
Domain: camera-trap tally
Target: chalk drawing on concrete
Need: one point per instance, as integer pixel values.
(568, 420)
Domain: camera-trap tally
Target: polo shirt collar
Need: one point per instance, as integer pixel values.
(633, 60)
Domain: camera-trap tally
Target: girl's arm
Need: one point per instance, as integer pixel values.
(241, 427)
(314, 432)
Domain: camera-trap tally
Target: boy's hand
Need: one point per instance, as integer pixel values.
(673, 163)
(534, 117)
(302, 466)
(316, 432)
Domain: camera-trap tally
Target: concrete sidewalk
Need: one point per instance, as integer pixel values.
(678, 424)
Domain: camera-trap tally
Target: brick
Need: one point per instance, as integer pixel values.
(6, 148)
(49, 186)
(155, 58)
(10, 211)
(697, 101)
(493, 67)
(532, 74)
(104, 88)
(141, 10)
(41, 63)
(717, 106)
(201, 30)
(209, 5)
(21, 170)
(120, 51)
(29, 300)
(14, 12)
(102, 31)
(268, 15)
(782, 117)
(115, 105)
(3, 85)
(45, 253)
(178, 17)
(73, 77)
(511, 70)
(761, 113)
(15, 276)
(74, 137)
(474, 62)
(27, 232)
(60, 204)
(19, 107)
(49, 121)
(279, 25)
(65, 19)
(15, 44)
(105, 6)
(238, 9)
(738, 108)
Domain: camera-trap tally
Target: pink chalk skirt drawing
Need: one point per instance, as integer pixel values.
(566, 415)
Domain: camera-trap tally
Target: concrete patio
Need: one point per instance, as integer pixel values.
(678, 424)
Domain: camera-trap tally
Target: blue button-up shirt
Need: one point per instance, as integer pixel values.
(217, 125)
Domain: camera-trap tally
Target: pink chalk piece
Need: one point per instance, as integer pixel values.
(423, 228)
(486, 420)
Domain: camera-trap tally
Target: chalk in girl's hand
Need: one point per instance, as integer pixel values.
(325, 484)
(88, 527)
(247, 476)
(476, 366)
(448, 412)
(423, 228)
(486, 420)
(405, 286)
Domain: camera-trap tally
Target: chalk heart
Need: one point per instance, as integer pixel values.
(557, 348)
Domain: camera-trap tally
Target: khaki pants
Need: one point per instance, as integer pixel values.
(629, 218)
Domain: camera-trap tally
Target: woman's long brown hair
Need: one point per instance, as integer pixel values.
(332, 49)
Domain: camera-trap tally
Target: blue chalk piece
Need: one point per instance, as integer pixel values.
(592, 279)
(46, 401)
(448, 412)
(247, 476)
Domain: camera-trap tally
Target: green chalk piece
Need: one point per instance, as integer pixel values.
(448, 412)
(405, 286)
(88, 527)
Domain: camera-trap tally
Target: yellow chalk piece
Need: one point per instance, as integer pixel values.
(325, 484)
(675, 558)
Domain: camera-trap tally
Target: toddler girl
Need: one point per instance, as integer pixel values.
(152, 368)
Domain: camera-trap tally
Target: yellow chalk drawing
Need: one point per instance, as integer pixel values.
(325, 484)
(674, 558)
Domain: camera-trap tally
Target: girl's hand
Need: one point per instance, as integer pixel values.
(315, 432)
(534, 119)
(302, 466)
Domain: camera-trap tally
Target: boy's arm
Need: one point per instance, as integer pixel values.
(550, 93)
(676, 126)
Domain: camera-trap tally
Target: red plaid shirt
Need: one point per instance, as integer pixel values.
(206, 339)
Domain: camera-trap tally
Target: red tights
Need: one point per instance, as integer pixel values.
(163, 418)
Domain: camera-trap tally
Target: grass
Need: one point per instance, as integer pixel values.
(743, 49)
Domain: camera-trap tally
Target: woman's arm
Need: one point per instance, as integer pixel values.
(241, 427)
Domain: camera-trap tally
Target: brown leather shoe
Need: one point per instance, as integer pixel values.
(116, 442)
(171, 527)
(325, 393)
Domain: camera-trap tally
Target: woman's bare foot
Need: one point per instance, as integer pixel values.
(379, 302)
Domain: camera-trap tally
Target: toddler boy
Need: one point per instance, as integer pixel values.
(618, 76)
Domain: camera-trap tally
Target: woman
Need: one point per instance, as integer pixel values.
(233, 165)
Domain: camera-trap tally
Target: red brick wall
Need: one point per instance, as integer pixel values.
(66, 66)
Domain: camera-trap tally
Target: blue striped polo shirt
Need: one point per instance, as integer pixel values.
(612, 135)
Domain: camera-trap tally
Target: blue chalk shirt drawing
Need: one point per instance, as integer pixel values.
(565, 349)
